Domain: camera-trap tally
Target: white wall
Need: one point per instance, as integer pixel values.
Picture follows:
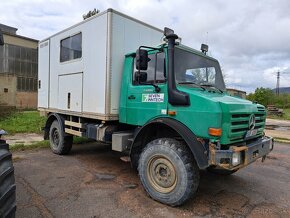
(92, 65)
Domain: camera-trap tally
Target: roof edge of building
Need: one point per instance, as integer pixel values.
(20, 36)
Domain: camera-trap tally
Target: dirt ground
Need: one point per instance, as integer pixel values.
(23, 138)
(92, 181)
(278, 128)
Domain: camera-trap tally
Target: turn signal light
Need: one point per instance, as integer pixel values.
(172, 113)
(215, 131)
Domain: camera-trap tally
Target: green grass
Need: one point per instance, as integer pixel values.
(22, 147)
(44, 144)
(22, 122)
(286, 115)
(283, 139)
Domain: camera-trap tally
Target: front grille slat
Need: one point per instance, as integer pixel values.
(239, 124)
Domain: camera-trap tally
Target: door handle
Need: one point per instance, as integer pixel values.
(131, 97)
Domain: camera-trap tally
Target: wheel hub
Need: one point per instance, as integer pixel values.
(55, 137)
(161, 174)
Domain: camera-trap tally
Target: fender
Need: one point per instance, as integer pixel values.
(51, 117)
(198, 150)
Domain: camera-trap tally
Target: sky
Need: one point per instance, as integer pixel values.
(251, 39)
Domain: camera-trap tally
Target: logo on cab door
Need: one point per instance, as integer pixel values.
(153, 97)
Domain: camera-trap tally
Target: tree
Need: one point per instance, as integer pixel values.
(264, 96)
(282, 101)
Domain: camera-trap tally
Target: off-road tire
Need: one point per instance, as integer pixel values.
(7, 182)
(168, 160)
(59, 143)
(219, 171)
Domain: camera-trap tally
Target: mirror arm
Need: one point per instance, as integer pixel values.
(157, 88)
(152, 48)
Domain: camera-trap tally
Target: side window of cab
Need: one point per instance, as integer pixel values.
(155, 71)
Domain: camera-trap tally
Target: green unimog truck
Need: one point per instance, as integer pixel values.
(165, 105)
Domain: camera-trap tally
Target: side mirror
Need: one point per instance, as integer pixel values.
(1, 38)
(141, 77)
(204, 48)
(167, 31)
(142, 59)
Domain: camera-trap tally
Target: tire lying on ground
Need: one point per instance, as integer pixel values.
(7, 182)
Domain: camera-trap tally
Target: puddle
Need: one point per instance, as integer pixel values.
(282, 128)
(103, 176)
(131, 186)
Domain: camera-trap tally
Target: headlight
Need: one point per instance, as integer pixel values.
(236, 159)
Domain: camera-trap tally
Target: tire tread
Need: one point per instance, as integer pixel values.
(181, 149)
(66, 141)
(7, 182)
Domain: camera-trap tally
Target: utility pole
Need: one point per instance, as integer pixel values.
(278, 84)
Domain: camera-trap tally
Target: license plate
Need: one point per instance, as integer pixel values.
(251, 133)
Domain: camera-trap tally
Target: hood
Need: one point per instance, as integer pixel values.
(235, 113)
(233, 104)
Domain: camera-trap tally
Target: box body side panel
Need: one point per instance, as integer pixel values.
(43, 74)
(92, 65)
(94, 47)
(70, 92)
(104, 45)
(127, 36)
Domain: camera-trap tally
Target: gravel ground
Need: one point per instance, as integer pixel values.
(92, 181)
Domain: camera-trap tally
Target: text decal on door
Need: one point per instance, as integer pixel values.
(153, 97)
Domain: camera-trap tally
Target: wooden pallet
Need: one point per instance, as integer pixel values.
(273, 110)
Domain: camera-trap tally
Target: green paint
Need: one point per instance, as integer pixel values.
(207, 108)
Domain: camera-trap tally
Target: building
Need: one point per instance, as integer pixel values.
(18, 70)
(237, 93)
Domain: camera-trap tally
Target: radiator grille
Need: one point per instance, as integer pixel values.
(239, 124)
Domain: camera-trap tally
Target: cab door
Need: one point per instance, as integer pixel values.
(143, 101)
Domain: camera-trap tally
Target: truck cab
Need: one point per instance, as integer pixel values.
(222, 124)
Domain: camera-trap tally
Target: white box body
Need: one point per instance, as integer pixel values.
(90, 86)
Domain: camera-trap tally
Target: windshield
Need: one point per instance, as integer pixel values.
(191, 68)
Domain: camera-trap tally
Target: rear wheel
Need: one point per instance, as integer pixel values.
(59, 143)
(7, 182)
(168, 171)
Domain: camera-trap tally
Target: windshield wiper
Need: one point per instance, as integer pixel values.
(212, 86)
(193, 83)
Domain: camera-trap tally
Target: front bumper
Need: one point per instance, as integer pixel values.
(246, 154)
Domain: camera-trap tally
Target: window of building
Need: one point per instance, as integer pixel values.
(21, 62)
(155, 70)
(71, 48)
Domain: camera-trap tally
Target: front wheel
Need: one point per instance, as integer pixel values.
(168, 171)
(59, 143)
